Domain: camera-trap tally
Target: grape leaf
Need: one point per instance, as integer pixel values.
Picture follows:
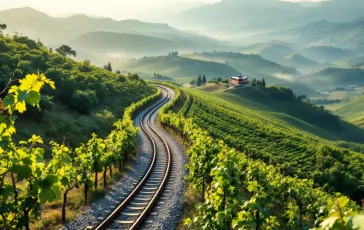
(22, 171)
(33, 98)
(47, 194)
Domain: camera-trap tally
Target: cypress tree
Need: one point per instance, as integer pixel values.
(199, 81)
(204, 79)
(263, 83)
(109, 67)
(254, 82)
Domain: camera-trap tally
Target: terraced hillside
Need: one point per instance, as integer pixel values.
(298, 147)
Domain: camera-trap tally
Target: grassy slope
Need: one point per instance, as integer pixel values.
(180, 68)
(267, 132)
(256, 100)
(352, 110)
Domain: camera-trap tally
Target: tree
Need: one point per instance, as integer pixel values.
(193, 82)
(2, 27)
(66, 50)
(109, 68)
(263, 83)
(204, 79)
(254, 82)
(199, 81)
(118, 71)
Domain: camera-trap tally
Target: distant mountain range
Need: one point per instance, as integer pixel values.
(87, 34)
(298, 56)
(133, 44)
(347, 35)
(260, 14)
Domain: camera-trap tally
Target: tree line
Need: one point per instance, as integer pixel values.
(260, 83)
(199, 81)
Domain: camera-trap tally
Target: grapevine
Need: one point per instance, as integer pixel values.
(28, 181)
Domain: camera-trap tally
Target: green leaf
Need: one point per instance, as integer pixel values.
(48, 181)
(64, 181)
(8, 100)
(252, 186)
(22, 171)
(22, 95)
(47, 194)
(33, 98)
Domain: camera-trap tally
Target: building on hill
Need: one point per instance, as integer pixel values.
(240, 79)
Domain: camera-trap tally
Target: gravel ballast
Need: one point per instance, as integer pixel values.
(165, 215)
(168, 210)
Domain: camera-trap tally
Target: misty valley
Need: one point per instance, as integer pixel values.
(212, 114)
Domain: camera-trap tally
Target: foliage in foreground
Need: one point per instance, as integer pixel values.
(28, 181)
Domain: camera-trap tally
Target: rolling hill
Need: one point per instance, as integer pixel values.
(273, 51)
(351, 110)
(180, 68)
(273, 125)
(335, 77)
(282, 53)
(279, 104)
(254, 66)
(87, 99)
(298, 61)
(132, 44)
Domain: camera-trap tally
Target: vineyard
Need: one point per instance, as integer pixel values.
(276, 143)
(28, 181)
(240, 191)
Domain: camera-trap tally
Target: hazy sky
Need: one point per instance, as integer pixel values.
(117, 9)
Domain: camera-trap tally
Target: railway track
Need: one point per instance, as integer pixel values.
(135, 208)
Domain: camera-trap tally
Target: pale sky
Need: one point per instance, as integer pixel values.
(117, 9)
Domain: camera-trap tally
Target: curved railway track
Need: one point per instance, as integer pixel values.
(135, 208)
